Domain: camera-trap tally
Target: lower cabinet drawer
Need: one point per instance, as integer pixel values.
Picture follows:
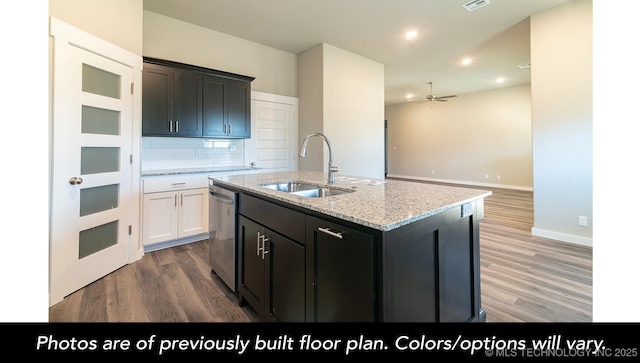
(288, 222)
(165, 183)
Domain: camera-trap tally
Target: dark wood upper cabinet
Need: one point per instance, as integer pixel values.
(157, 100)
(239, 109)
(190, 101)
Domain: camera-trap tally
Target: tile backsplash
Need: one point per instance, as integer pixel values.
(160, 153)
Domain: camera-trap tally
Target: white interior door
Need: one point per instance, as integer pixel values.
(274, 132)
(91, 174)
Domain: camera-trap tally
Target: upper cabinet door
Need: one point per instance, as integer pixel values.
(239, 109)
(187, 103)
(214, 115)
(157, 100)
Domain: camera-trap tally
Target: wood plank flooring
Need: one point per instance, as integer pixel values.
(523, 278)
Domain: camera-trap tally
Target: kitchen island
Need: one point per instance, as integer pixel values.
(378, 250)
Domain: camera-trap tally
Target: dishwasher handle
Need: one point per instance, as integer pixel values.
(221, 198)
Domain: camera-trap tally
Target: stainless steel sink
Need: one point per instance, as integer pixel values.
(307, 190)
(322, 192)
(290, 187)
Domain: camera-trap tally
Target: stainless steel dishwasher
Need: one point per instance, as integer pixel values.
(222, 234)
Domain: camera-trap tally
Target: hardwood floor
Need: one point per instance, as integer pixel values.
(523, 279)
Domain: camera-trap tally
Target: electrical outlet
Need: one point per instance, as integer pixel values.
(466, 210)
(582, 221)
(498, 177)
(486, 176)
(433, 171)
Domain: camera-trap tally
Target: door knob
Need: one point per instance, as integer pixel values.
(75, 180)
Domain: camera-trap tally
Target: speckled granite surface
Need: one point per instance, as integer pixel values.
(195, 170)
(376, 203)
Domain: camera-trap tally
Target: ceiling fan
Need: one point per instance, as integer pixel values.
(434, 97)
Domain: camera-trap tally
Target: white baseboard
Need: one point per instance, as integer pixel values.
(462, 182)
(562, 237)
(175, 242)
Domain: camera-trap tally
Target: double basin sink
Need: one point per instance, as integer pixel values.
(307, 190)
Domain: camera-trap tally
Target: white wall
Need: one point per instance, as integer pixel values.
(310, 111)
(464, 140)
(561, 92)
(351, 108)
(116, 21)
(171, 39)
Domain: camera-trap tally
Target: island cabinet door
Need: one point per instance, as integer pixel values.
(252, 265)
(340, 273)
(285, 272)
(457, 273)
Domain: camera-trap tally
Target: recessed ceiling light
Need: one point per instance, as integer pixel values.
(500, 80)
(466, 61)
(411, 34)
(409, 96)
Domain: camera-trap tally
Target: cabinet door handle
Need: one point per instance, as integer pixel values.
(175, 200)
(230, 129)
(264, 247)
(170, 125)
(181, 199)
(329, 232)
(261, 238)
(224, 128)
(177, 126)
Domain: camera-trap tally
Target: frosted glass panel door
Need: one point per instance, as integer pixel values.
(91, 175)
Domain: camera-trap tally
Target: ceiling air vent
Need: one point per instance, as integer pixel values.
(475, 4)
(524, 65)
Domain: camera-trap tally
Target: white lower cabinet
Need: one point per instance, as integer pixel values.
(172, 217)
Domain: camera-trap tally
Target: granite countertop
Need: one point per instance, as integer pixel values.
(196, 170)
(377, 203)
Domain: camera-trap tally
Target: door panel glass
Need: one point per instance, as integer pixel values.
(98, 199)
(95, 160)
(98, 238)
(100, 82)
(100, 121)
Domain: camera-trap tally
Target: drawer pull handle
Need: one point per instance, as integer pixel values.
(329, 232)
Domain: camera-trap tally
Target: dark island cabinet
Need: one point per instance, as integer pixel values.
(340, 273)
(299, 265)
(252, 266)
(432, 268)
(189, 101)
(271, 265)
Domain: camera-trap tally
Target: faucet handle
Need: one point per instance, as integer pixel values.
(334, 169)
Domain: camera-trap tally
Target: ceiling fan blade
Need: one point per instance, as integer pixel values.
(439, 99)
(448, 96)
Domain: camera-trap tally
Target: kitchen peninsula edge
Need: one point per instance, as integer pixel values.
(390, 251)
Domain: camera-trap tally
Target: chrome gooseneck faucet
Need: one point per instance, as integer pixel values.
(332, 168)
